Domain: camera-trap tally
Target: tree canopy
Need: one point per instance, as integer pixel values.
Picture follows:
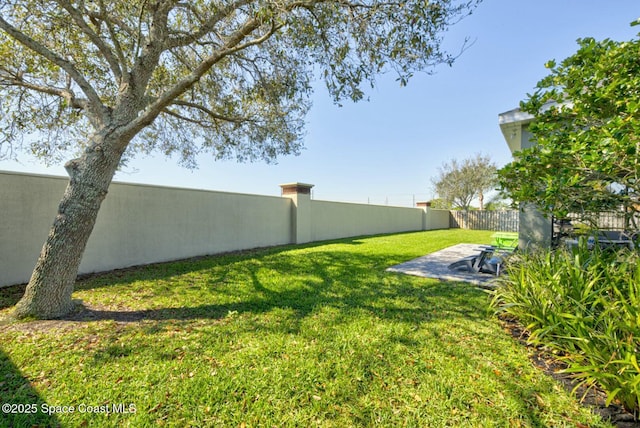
(587, 134)
(227, 77)
(459, 183)
(103, 80)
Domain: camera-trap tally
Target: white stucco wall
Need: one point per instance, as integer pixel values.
(140, 224)
(143, 224)
(436, 219)
(137, 224)
(28, 205)
(331, 220)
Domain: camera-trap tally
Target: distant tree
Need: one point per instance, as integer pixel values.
(440, 204)
(587, 130)
(105, 79)
(459, 183)
(497, 205)
(497, 202)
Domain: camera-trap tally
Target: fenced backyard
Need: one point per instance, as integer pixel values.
(141, 224)
(318, 334)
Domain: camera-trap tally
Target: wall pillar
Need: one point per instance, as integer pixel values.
(425, 213)
(534, 229)
(300, 195)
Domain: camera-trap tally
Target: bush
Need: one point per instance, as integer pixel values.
(585, 304)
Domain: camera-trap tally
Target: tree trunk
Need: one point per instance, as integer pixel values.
(481, 200)
(48, 294)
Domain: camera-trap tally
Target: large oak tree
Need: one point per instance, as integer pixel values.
(105, 79)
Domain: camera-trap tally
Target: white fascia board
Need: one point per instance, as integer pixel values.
(513, 117)
(511, 124)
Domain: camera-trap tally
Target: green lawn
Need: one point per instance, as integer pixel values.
(314, 335)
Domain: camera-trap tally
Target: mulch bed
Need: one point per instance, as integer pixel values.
(590, 397)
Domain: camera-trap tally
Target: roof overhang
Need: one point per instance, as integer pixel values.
(514, 122)
(511, 124)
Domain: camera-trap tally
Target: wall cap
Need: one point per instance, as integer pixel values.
(296, 188)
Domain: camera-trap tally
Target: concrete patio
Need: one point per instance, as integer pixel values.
(435, 265)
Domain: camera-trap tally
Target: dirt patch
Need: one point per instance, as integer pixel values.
(80, 317)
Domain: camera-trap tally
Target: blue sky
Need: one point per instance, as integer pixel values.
(386, 150)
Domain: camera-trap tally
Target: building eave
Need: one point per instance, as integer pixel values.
(511, 124)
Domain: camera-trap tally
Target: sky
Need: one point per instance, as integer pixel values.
(386, 150)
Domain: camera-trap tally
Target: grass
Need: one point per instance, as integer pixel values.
(314, 335)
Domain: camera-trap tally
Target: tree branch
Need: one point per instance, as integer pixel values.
(132, 91)
(95, 104)
(207, 27)
(105, 17)
(232, 45)
(114, 37)
(104, 49)
(258, 40)
(67, 94)
(209, 112)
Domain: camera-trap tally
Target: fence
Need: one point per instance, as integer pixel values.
(141, 224)
(608, 220)
(503, 221)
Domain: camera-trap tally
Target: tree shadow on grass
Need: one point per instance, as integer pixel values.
(342, 279)
(10, 295)
(335, 278)
(338, 278)
(436, 304)
(164, 270)
(21, 404)
(307, 303)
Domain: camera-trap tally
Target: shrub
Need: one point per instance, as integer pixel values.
(585, 304)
